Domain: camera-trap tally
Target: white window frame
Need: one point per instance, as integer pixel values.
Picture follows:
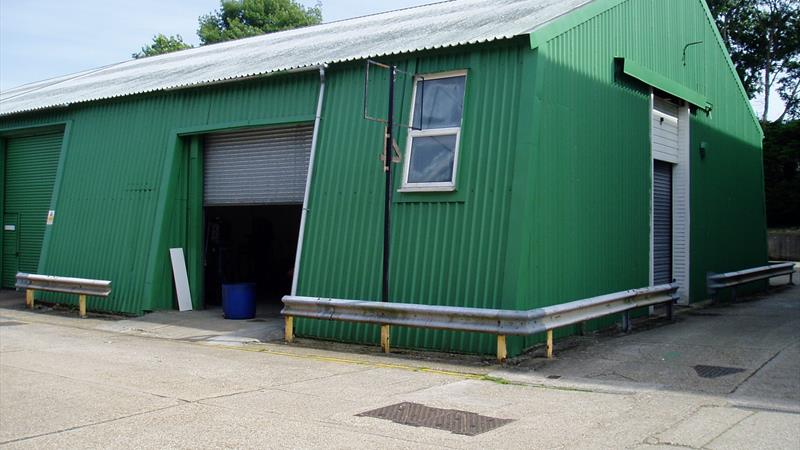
(447, 186)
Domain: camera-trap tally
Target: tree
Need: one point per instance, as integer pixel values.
(238, 19)
(763, 38)
(162, 44)
(782, 173)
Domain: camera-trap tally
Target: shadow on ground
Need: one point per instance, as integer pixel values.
(748, 351)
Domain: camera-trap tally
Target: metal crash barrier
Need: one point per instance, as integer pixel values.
(717, 281)
(79, 286)
(494, 321)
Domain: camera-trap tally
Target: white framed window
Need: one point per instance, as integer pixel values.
(437, 109)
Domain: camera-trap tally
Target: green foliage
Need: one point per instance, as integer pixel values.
(763, 38)
(782, 173)
(238, 19)
(162, 44)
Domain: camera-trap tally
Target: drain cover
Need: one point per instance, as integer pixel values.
(716, 371)
(9, 323)
(704, 314)
(452, 420)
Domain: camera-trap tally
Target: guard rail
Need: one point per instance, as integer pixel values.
(494, 321)
(81, 287)
(717, 281)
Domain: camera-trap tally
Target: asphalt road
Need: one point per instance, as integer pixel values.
(71, 383)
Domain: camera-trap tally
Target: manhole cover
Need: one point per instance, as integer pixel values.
(453, 420)
(716, 371)
(10, 323)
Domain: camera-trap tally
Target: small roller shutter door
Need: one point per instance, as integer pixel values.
(30, 174)
(662, 222)
(257, 167)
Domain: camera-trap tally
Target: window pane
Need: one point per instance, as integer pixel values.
(432, 159)
(439, 103)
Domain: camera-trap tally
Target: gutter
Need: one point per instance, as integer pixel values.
(304, 214)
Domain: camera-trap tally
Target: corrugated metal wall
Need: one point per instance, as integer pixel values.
(727, 187)
(590, 178)
(447, 248)
(106, 217)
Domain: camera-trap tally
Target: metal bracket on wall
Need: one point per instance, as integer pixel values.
(396, 156)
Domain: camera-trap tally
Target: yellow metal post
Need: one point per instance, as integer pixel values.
(29, 298)
(385, 338)
(82, 306)
(289, 329)
(549, 344)
(502, 350)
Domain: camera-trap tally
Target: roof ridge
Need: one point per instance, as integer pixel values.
(91, 70)
(385, 12)
(440, 24)
(55, 80)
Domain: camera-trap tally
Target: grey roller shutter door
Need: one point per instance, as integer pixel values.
(257, 167)
(662, 222)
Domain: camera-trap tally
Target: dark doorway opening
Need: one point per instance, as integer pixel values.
(251, 244)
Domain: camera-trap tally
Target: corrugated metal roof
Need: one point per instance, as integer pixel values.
(444, 24)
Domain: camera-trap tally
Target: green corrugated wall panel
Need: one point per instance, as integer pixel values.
(105, 211)
(590, 191)
(447, 249)
(728, 209)
(30, 173)
(728, 227)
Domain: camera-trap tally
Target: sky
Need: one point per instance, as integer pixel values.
(41, 39)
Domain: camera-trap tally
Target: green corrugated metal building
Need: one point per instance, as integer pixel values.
(551, 151)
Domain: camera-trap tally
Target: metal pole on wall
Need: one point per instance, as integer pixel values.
(387, 167)
(388, 159)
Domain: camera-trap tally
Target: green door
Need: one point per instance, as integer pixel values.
(30, 173)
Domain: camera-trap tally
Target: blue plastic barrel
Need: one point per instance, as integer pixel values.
(239, 301)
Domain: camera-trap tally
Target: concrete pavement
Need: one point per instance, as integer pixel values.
(758, 337)
(100, 383)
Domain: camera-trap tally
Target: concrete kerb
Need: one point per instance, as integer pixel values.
(458, 366)
(457, 363)
(305, 350)
(378, 360)
(467, 367)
